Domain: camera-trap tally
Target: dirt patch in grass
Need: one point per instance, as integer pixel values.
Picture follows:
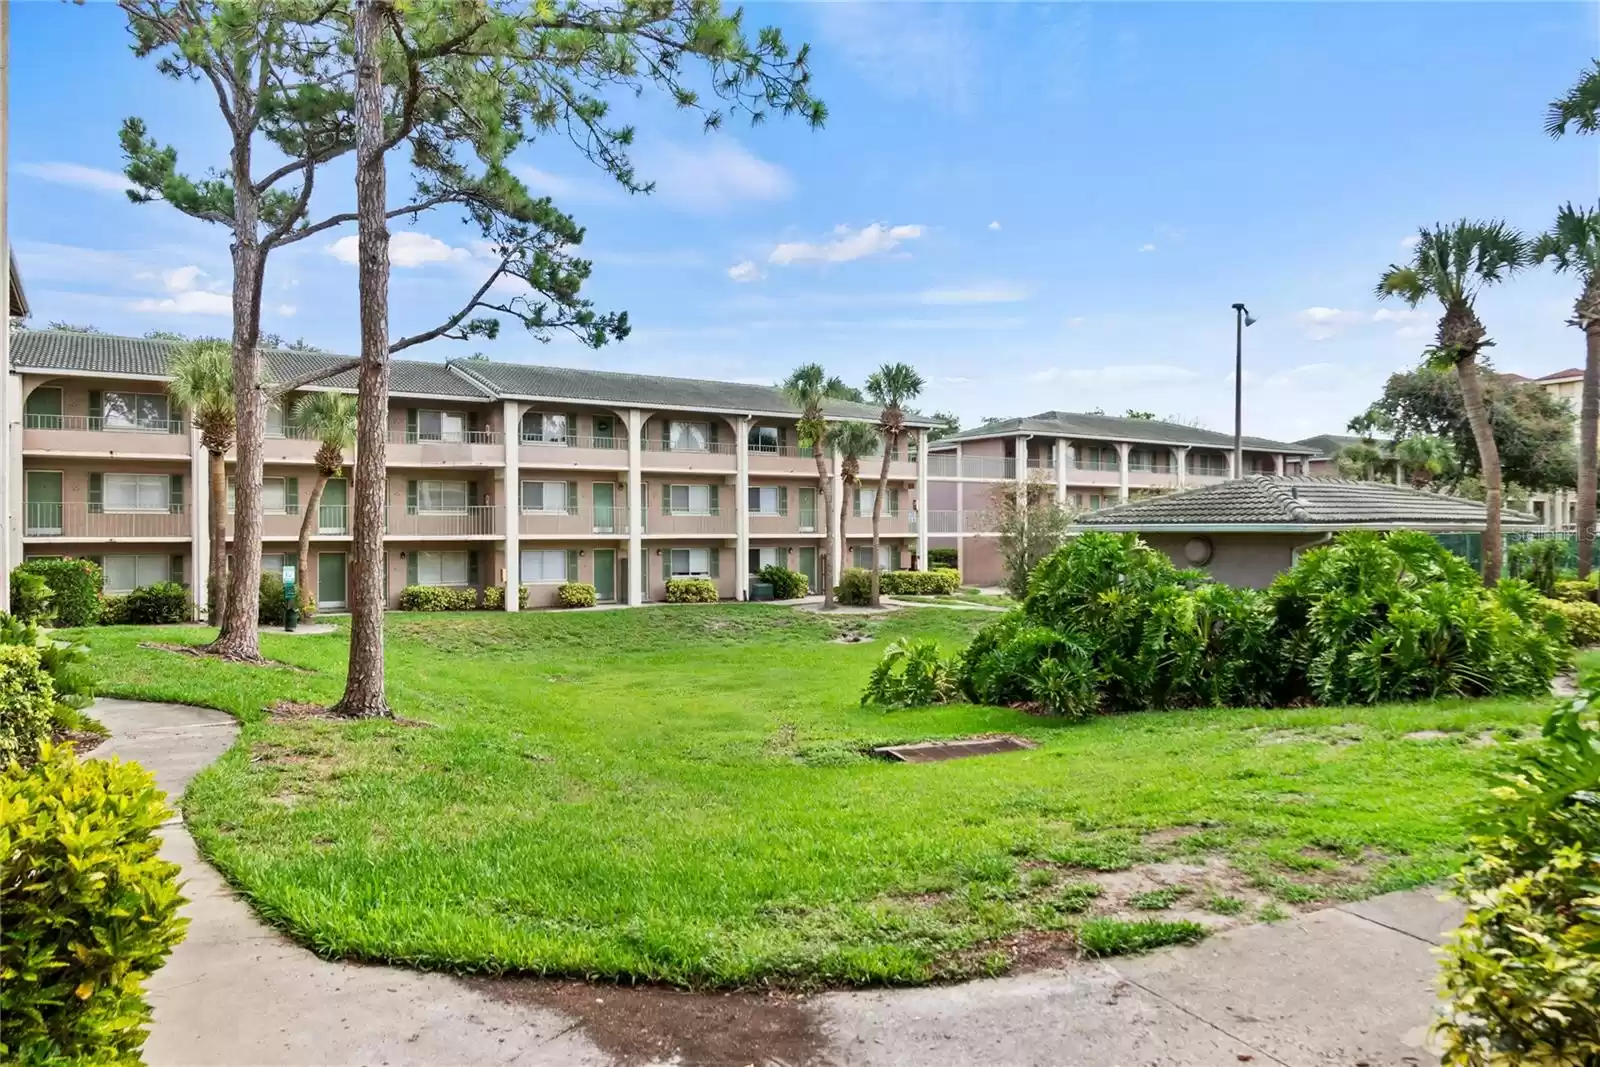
(649, 1024)
(196, 652)
(1428, 735)
(294, 709)
(1349, 733)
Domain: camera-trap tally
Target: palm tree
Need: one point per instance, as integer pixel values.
(1426, 456)
(202, 385)
(1359, 460)
(890, 386)
(1580, 108)
(1573, 244)
(331, 419)
(808, 388)
(851, 441)
(1452, 264)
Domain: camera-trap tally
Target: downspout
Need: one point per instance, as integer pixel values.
(1294, 553)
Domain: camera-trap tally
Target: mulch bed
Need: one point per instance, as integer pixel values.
(294, 709)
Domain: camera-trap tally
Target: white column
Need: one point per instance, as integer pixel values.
(741, 510)
(922, 499)
(511, 506)
(12, 482)
(1122, 471)
(1231, 472)
(1021, 450)
(638, 566)
(834, 521)
(200, 524)
(1180, 459)
(1060, 464)
(1278, 462)
(961, 515)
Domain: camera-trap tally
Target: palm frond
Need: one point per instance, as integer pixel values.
(892, 384)
(1453, 261)
(853, 440)
(330, 417)
(1579, 108)
(1573, 243)
(202, 379)
(1403, 282)
(836, 388)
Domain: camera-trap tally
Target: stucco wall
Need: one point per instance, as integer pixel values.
(980, 562)
(1243, 559)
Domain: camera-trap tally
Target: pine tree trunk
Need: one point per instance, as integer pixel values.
(1588, 442)
(307, 595)
(1489, 459)
(825, 488)
(364, 695)
(217, 579)
(877, 514)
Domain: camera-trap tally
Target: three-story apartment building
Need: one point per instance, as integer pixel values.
(499, 474)
(1086, 461)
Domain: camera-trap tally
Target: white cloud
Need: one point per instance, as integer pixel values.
(745, 272)
(1408, 243)
(956, 379)
(908, 50)
(997, 293)
(287, 310)
(872, 239)
(407, 248)
(1147, 248)
(1076, 321)
(995, 225)
(543, 182)
(712, 175)
(1321, 323)
(106, 181)
(190, 294)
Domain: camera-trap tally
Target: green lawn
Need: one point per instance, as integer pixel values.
(681, 794)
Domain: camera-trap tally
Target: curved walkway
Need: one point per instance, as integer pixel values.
(1344, 985)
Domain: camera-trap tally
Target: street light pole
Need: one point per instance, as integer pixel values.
(1241, 319)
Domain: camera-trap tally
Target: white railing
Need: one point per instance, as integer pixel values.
(475, 520)
(718, 448)
(99, 424)
(50, 519)
(988, 467)
(574, 522)
(447, 437)
(574, 441)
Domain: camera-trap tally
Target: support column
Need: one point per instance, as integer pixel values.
(200, 524)
(13, 490)
(1021, 450)
(638, 566)
(1122, 471)
(1278, 462)
(961, 516)
(1232, 473)
(1180, 459)
(920, 505)
(839, 554)
(511, 506)
(1060, 464)
(741, 510)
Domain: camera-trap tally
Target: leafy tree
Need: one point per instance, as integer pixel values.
(1573, 246)
(807, 388)
(851, 442)
(165, 335)
(72, 327)
(1031, 526)
(890, 386)
(839, 389)
(1452, 264)
(949, 424)
(1142, 415)
(202, 385)
(1360, 460)
(1425, 458)
(331, 419)
(1579, 108)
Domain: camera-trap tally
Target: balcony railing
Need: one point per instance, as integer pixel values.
(942, 522)
(943, 465)
(574, 441)
(714, 448)
(448, 437)
(1104, 463)
(793, 451)
(578, 521)
(49, 519)
(99, 424)
(476, 520)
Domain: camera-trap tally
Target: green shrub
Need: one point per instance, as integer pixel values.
(90, 908)
(786, 584)
(31, 597)
(274, 603)
(494, 597)
(938, 582)
(1522, 974)
(691, 591)
(66, 663)
(1537, 562)
(912, 674)
(114, 611)
(1573, 589)
(854, 588)
(438, 598)
(939, 558)
(74, 586)
(27, 703)
(577, 595)
(160, 602)
(1582, 619)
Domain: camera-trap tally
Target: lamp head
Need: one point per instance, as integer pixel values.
(1248, 320)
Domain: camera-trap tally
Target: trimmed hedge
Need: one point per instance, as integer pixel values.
(691, 591)
(75, 585)
(854, 588)
(576, 595)
(786, 584)
(494, 597)
(160, 602)
(91, 909)
(1573, 589)
(938, 582)
(1582, 618)
(939, 558)
(27, 703)
(438, 598)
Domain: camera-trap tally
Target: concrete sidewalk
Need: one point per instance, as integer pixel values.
(1346, 986)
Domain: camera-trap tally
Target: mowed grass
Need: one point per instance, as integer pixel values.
(683, 795)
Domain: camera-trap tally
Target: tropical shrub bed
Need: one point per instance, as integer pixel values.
(576, 595)
(1522, 974)
(691, 591)
(1110, 624)
(1574, 589)
(940, 581)
(786, 584)
(162, 602)
(438, 598)
(1582, 618)
(27, 700)
(66, 667)
(74, 586)
(90, 909)
(854, 588)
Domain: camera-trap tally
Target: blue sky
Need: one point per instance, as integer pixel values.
(1039, 205)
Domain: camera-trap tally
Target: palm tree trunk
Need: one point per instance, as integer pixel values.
(1588, 442)
(825, 488)
(844, 511)
(1489, 459)
(217, 579)
(877, 513)
(305, 594)
(364, 695)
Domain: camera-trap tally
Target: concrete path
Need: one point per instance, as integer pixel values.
(1343, 986)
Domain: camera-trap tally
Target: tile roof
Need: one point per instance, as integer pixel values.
(1117, 428)
(1329, 443)
(1299, 503)
(18, 306)
(1562, 375)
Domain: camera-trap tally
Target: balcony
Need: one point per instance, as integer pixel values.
(581, 522)
(783, 459)
(720, 523)
(105, 437)
(900, 525)
(943, 465)
(455, 448)
(795, 523)
(275, 525)
(609, 453)
(82, 521)
(478, 520)
(946, 522)
(293, 444)
(659, 455)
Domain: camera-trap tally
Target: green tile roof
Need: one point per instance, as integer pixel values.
(1118, 428)
(1299, 503)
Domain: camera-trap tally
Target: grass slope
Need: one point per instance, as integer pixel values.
(680, 794)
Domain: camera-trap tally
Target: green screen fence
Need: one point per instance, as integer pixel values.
(1469, 546)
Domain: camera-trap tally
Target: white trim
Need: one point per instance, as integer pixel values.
(1283, 527)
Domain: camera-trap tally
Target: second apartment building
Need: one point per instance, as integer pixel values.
(499, 475)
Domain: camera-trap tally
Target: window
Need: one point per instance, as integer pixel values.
(861, 556)
(764, 500)
(1097, 459)
(272, 563)
(442, 568)
(137, 492)
(547, 497)
(544, 566)
(441, 426)
(124, 574)
(276, 496)
(1157, 460)
(1262, 465)
(864, 499)
(442, 498)
(767, 557)
(542, 427)
(134, 411)
(690, 499)
(275, 419)
(1213, 464)
(764, 439)
(691, 563)
(689, 436)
